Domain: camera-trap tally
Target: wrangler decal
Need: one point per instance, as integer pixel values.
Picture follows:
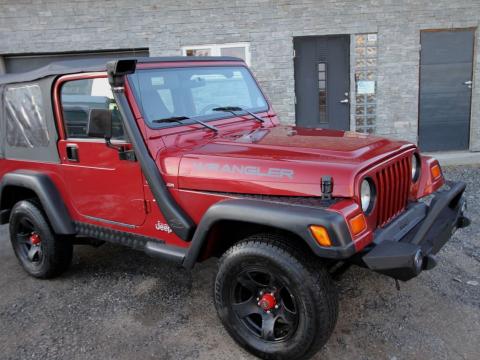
(245, 169)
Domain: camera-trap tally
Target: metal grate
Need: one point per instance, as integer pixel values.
(393, 184)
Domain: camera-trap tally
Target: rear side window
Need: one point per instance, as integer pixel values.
(79, 97)
(25, 115)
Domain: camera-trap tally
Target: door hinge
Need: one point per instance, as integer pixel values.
(148, 206)
(294, 53)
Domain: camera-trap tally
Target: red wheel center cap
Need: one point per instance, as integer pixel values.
(267, 302)
(35, 239)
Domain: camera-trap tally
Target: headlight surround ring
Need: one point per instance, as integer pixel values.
(416, 167)
(368, 194)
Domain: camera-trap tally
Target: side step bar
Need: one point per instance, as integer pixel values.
(174, 254)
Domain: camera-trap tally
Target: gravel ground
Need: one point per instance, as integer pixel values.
(115, 303)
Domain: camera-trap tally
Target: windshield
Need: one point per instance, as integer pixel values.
(195, 92)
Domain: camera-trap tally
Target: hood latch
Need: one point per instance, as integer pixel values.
(326, 185)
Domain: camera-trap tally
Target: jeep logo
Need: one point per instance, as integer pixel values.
(163, 227)
(245, 170)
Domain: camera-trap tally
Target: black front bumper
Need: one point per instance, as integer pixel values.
(408, 244)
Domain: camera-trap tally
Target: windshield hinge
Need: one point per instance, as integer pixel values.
(127, 155)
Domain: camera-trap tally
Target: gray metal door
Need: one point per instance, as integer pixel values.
(322, 81)
(445, 89)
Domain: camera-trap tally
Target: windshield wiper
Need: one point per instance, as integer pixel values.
(234, 109)
(180, 118)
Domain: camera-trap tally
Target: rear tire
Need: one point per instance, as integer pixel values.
(274, 300)
(40, 252)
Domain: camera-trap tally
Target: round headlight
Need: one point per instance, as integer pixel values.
(367, 194)
(415, 167)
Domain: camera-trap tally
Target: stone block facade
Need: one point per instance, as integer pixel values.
(29, 26)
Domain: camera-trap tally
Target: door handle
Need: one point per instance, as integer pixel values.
(468, 83)
(344, 101)
(72, 152)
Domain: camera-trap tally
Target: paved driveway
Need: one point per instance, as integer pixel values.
(115, 303)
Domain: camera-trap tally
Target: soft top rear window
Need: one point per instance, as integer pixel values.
(195, 92)
(25, 114)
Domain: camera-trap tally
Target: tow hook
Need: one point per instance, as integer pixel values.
(463, 222)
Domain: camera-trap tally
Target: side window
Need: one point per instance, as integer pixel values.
(79, 97)
(25, 115)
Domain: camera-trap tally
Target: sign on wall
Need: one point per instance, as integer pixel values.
(365, 87)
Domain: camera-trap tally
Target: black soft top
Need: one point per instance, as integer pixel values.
(89, 65)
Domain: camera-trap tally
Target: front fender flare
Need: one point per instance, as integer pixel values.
(48, 194)
(292, 218)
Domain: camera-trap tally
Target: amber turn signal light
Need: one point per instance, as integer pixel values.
(435, 171)
(357, 224)
(321, 235)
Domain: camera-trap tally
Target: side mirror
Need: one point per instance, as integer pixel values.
(100, 123)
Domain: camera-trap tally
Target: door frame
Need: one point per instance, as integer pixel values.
(474, 30)
(349, 75)
(63, 141)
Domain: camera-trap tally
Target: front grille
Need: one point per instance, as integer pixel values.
(393, 185)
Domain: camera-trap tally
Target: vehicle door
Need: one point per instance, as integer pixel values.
(102, 187)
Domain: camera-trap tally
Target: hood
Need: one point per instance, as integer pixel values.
(283, 160)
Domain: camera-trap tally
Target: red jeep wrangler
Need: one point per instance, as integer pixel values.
(185, 159)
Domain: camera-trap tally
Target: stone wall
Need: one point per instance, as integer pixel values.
(269, 25)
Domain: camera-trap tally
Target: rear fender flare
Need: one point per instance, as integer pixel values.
(291, 218)
(48, 194)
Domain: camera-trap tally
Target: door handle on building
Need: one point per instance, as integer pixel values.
(344, 101)
(468, 83)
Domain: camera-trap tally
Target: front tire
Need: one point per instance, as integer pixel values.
(41, 253)
(274, 300)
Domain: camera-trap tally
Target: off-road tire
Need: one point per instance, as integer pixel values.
(55, 252)
(307, 281)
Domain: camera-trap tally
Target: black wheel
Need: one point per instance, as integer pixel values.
(274, 300)
(40, 252)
